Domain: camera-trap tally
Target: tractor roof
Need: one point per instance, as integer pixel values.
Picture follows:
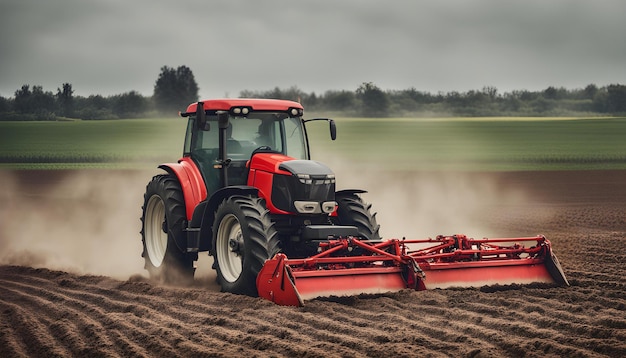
(256, 104)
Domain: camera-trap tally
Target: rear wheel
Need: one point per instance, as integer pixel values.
(243, 238)
(352, 211)
(162, 227)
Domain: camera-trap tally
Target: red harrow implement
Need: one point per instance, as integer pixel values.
(393, 265)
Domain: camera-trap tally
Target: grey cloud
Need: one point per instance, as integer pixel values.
(110, 47)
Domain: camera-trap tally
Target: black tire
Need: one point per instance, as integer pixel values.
(352, 211)
(162, 227)
(243, 238)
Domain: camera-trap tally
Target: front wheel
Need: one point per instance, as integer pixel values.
(244, 237)
(353, 211)
(162, 227)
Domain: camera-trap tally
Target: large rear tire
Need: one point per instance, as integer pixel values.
(353, 211)
(244, 237)
(162, 227)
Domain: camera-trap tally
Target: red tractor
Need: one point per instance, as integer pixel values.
(247, 192)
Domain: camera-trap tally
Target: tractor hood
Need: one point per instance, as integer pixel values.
(292, 185)
(307, 167)
(269, 162)
(281, 164)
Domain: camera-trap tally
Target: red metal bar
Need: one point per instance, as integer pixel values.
(480, 273)
(348, 282)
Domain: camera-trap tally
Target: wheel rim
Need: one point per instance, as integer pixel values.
(229, 248)
(154, 230)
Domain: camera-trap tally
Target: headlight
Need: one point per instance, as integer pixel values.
(329, 206)
(307, 207)
(305, 179)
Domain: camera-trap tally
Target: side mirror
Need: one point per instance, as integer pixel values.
(331, 123)
(333, 129)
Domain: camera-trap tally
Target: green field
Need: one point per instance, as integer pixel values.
(105, 143)
(401, 143)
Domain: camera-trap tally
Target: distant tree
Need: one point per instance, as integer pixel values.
(339, 100)
(94, 107)
(65, 99)
(129, 105)
(22, 99)
(43, 104)
(550, 93)
(421, 97)
(37, 103)
(97, 101)
(175, 89)
(454, 99)
(478, 103)
(541, 105)
(246, 94)
(491, 92)
(599, 102)
(473, 98)
(590, 91)
(375, 102)
(402, 101)
(511, 103)
(616, 98)
(5, 104)
(293, 93)
(526, 95)
(413, 94)
(554, 93)
(275, 93)
(310, 101)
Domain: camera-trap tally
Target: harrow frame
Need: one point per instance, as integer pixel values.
(348, 266)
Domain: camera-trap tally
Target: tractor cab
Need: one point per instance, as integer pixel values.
(222, 136)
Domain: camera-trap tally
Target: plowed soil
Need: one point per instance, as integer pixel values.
(72, 281)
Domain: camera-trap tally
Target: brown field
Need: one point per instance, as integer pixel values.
(72, 281)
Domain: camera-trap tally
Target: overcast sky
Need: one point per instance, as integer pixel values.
(115, 46)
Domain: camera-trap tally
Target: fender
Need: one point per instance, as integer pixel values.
(191, 182)
(351, 191)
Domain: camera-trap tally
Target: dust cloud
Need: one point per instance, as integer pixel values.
(421, 204)
(83, 221)
(88, 221)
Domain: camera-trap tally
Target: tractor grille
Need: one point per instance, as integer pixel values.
(287, 189)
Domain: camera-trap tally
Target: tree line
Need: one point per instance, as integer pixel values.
(368, 100)
(175, 88)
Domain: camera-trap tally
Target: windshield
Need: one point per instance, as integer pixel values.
(245, 134)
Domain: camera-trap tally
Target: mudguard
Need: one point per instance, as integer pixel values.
(191, 182)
